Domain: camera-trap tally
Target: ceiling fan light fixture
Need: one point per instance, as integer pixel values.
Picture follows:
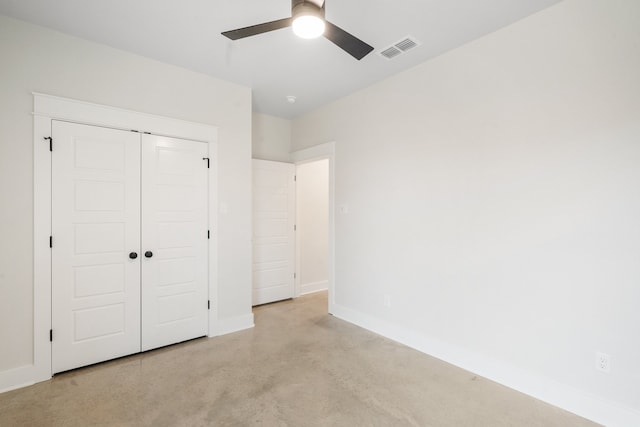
(308, 27)
(308, 20)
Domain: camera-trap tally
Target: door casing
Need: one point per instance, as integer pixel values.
(48, 108)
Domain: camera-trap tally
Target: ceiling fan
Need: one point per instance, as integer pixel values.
(307, 20)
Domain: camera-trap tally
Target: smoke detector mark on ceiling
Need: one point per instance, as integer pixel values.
(402, 46)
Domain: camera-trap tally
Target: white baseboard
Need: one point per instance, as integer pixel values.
(28, 375)
(17, 378)
(233, 324)
(586, 405)
(310, 288)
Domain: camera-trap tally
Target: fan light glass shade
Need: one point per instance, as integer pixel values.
(308, 26)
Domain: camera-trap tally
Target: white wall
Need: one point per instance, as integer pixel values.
(494, 196)
(271, 138)
(37, 59)
(312, 219)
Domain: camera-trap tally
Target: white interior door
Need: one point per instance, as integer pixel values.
(174, 241)
(95, 228)
(273, 231)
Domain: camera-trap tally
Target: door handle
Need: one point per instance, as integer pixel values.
(148, 254)
(133, 255)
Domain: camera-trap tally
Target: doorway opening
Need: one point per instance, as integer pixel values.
(312, 222)
(315, 258)
(293, 226)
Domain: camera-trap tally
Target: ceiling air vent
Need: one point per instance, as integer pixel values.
(391, 52)
(399, 47)
(406, 44)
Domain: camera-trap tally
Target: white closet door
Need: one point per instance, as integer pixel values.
(174, 241)
(96, 226)
(273, 231)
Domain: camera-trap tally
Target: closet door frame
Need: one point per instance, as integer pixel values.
(48, 108)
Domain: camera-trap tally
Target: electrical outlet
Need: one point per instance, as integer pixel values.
(387, 300)
(603, 362)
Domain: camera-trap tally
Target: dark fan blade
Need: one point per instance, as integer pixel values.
(350, 44)
(254, 30)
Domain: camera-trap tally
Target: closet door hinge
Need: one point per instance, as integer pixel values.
(295, 227)
(50, 142)
(295, 178)
(50, 335)
(208, 234)
(208, 304)
(207, 159)
(294, 275)
(50, 241)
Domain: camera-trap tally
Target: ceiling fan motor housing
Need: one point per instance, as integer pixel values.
(306, 8)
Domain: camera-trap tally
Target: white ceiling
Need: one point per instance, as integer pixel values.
(187, 33)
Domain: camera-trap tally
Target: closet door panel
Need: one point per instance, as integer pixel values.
(174, 241)
(95, 227)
